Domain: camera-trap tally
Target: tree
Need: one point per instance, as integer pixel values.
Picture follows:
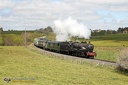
(48, 29)
(119, 30)
(45, 30)
(1, 30)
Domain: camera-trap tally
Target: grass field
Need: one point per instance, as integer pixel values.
(108, 53)
(16, 62)
(110, 43)
(108, 47)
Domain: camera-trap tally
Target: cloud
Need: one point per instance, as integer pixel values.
(34, 14)
(65, 29)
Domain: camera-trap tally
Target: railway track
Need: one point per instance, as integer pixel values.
(73, 58)
(105, 60)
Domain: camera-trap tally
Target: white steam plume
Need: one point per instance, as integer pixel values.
(70, 27)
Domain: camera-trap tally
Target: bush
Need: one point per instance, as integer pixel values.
(1, 40)
(123, 61)
(12, 40)
(9, 39)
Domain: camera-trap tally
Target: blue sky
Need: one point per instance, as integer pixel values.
(35, 14)
(5, 12)
(115, 14)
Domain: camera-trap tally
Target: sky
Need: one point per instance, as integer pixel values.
(36, 14)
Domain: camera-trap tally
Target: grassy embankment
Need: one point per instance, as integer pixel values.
(20, 63)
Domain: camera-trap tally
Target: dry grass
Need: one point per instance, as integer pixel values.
(123, 61)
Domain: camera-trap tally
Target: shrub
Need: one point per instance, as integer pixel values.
(1, 40)
(123, 61)
(12, 40)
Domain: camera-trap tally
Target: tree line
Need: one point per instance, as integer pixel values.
(121, 29)
(105, 32)
(14, 37)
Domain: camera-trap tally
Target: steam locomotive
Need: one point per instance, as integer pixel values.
(82, 49)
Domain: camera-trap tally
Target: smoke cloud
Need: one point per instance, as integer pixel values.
(65, 29)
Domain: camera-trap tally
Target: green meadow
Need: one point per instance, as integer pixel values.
(26, 67)
(17, 62)
(108, 53)
(110, 43)
(109, 46)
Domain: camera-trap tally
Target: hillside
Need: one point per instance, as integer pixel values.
(19, 63)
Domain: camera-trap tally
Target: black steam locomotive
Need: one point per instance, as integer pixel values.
(82, 49)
